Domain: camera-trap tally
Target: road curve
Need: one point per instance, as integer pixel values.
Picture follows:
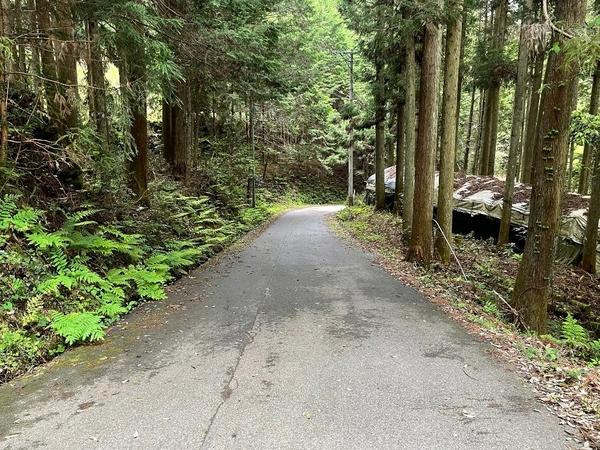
(297, 341)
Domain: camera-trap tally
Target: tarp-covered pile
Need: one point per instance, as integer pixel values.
(484, 195)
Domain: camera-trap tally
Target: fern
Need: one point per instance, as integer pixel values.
(77, 219)
(44, 240)
(111, 310)
(52, 284)
(8, 205)
(17, 219)
(77, 327)
(59, 260)
(573, 333)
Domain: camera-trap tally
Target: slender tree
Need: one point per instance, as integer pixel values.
(517, 126)
(65, 48)
(48, 63)
(445, 204)
(410, 90)
(96, 79)
(465, 164)
(399, 187)
(3, 88)
(379, 97)
(590, 252)
(532, 120)
(532, 286)
(586, 162)
(490, 137)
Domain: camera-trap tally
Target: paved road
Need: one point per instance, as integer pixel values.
(296, 342)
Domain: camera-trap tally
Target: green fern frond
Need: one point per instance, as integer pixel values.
(111, 310)
(77, 327)
(573, 333)
(44, 240)
(152, 291)
(59, 260)
(77, 219)
(52, 284)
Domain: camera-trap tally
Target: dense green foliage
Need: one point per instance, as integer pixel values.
(131, 133)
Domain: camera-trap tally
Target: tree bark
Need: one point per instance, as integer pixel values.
(517, 127)
(181, 130)
(532, 286)
(532, 120)
(488, 154)
(132, 74)
(421, 242)
(586, 162)
(465, 166)
(97, 92)
(588, 262)
(445, 204)
(66, 58)
(48, 62)
(410, 135)
(461, 76)
(399, 187)
(3, 90)
(480, 125)
(571, 161)
(379, 138)
(167, 131)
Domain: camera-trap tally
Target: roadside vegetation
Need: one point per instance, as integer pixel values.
(563, 365)
(139, 139)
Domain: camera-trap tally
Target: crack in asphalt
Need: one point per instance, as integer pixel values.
(227, 391)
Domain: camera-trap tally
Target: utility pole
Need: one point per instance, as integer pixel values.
(351, 134)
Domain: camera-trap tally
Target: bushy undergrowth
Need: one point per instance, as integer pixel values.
(63, 285)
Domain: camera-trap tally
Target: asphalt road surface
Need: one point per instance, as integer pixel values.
(297, 341)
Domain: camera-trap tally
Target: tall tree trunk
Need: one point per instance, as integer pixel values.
(410, 135)
(21, 49)
(399, 187)
(48, 62)
(461, 76)
(3, 89)
(379, 137)
(532, 120)
(465, 165)
(445, 204)
(66, 58)
(480, 125)
(517, 127)
(97, 92)
(181, 130)
(421, 243)
(586, 162)
(33, 42)
(8, 32)
(133, 75)
(493, 102)
(571, 161)
(532, 286)
(167, 131)
(588, 262)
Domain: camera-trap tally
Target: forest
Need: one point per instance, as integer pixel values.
(139, 138)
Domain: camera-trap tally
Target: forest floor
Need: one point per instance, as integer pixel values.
(562, 367)
(294, 339)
